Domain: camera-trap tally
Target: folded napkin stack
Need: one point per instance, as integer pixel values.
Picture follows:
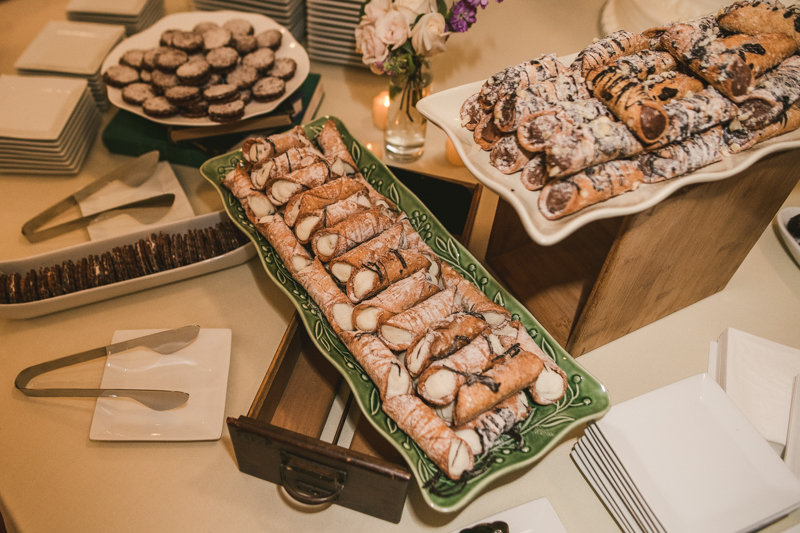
(47, 124)
(288, 13)
(683, 458)
(74, 49)
(135, 15)
(331, 31)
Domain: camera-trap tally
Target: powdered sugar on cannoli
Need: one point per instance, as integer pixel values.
(482, 432)
(398, 297)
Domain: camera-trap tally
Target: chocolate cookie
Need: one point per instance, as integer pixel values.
(269, 39)
(177, 251)
(129, 256)
(268, 89)
(27, 287)
(120, 75)
(262, 59)
(226, 112)
(238, 27)
(244, 44)
(150, 56)
(167, 36)
(194, 72)
(137, 93)
(189, 248)
(222, 241)
(170, 59)
(107, 267)
(94, 272)
(199, 242)
(81, 275)
(42, 284)
(68, 276)
(164, 250)
(182, 94)
(216, 38)
(213, 243)
(188, 41)
(146, 76)
(218, 94)
(159, 107)
(222, 59)
(132, 58)
(196, 109)
(242, 76)
(283, 68)
(118, 262)
(246, 96)
(164, 80)
(152, 253)
(213, 79)
(203, 27)
(142, 261)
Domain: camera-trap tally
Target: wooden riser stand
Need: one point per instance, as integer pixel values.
(614, 276)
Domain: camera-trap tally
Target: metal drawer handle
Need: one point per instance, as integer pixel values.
(309, 492)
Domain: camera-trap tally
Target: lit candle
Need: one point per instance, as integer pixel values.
(375, 149)
(380, 109)
(451, 154)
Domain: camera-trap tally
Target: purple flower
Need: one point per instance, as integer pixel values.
(463, 16)
(476, 3)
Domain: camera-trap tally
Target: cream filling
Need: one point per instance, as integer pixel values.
(343, 315)
(433, 270)
(419, 354)
(549, 385)
(260, 205)
(363, 201)
(341, 168)
(265, 220)
(367, 319)
(283, 190)
(506, 331)
(306, 226)
(342, 271)
(494, 319)
(326, 245)
(299, 262)
(364, 282)
(398, 382)
(441, 383)
(459, 458)
(257, 151)
(291, 214)
(494, 342)
(473, 440)
(259, 177)
(395, 335)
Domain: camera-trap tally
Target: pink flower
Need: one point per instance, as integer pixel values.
(392, 29)
(375, 9)
(411, 9)
(429, 36)
(374, 50)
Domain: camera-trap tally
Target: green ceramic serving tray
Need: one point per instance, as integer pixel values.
(585, 400)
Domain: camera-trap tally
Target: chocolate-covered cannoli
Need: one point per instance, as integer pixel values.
(293, 159)
(534, 173)
(399, 331)
(589, 144)
(451, 454)
(256, 149)
(380, 364)
(742, 138)
(390, 268)
(280, 190)
(606, 50)
(444, 339)
(669, 86)
(773, 94)
(514, 78)
(569, 87)
(310, 222)
(679, 158)
(508, 156)
(535, 130)
(332, 242)
(294, 256)
(486, 132)
(593, 185)
(512, 109)
(761, 16)
(321, 197)
(471, 298)
(630, 102)
(482, 431)
(399, 236)
(696, 114)
(761, 52)
(471, 112)
(551, 385)
(645, 63)
(330, 299)
(704, 25)
(397, 298)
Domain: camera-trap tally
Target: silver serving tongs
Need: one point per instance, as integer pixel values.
(134, 174)
(165, 342)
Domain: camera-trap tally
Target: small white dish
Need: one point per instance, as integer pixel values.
(200, 369)
(127, 8)
(37, 107)
(784, 215)
(537, 516)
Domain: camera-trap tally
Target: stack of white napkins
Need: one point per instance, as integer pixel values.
(683, 458)
(47, 124)
(331, 31)
(288, 13)
(75, 49)
(135, 15)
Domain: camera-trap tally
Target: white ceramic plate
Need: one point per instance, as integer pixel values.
(443, 109)
(783, 218)
(186, 21)
(537, 516)
(76, 299)
(201, 369)
(127, 8)
(37, 107)
(697, 461)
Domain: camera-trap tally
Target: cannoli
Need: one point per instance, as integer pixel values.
(628, 99)
(534, 174)
(645, 63)
(486, 132)
(330, 299)
(593, 185)
(739, 138)
(439, 383)
(256, 149)
(390, 268)
(332, 144)
(589, 144)
(704, 25)
(536, 129)
(310, 222)
(472, 300)
(400, 236)
(293, 159)
(397, 298)
(451, 454)
(471, 112)
(280, 190)
(696, 114)
(761, 52)
(512, 79)
(444, 339)
(761, 16)
(294, 256)
(775, 92)
(512, 109)
(508, 156)
(332, 242)
(379, 363)
(399, 331)
(481, 432)
(321, 197)
(239, 184)
(669, 86)
(679, 158)
(551, 385)
(517, 370)
(618, 44)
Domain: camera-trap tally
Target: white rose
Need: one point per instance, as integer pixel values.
(375, 10)
(392, 29)
(410, 9)
(367, 43)
(428, 36)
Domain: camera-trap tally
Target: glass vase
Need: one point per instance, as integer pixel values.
(404, 136)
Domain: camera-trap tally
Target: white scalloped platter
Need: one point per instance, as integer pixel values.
(443, 109)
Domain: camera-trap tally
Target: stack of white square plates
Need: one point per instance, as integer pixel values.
(135, 15)
(683, 458)
(75, 49)
(290, 14)
(47, 124)
(331, 31)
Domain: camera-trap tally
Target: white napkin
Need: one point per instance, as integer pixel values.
(117, 193)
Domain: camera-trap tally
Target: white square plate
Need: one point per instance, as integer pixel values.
(37, 107)
(697, 461)
(130, 8)
(201, 369)
(537, 516)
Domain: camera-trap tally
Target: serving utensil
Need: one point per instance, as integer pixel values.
(165, 342)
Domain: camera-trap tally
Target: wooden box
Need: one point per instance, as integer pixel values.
(614, 276)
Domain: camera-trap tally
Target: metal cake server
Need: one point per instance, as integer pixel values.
(165, 342)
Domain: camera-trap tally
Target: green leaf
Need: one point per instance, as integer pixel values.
(394, 91)
(441, 7)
